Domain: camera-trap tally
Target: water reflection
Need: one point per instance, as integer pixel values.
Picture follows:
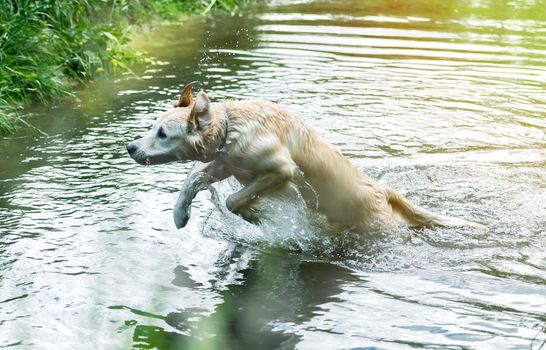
(275, 289)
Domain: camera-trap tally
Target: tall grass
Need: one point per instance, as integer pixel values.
(47, 46)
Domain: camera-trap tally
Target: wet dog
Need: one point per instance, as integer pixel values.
(268, 148)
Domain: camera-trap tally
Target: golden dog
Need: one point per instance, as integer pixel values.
(267, 149)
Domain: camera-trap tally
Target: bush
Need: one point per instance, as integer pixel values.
(48, 45)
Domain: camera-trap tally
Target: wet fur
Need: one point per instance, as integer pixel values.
(269, 148)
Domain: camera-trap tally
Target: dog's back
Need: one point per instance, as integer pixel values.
(345, 194)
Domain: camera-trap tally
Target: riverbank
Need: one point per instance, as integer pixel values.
(48, 48)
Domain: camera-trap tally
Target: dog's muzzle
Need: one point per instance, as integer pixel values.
(139, 157)
(143, 158)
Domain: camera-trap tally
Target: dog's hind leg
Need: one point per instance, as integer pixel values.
(197, 181)
(241, 202)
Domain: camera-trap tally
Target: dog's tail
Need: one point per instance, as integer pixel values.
(418, 217)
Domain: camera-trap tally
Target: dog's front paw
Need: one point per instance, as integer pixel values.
(251, 215)
(181, 215)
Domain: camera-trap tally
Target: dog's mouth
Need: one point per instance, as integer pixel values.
(148, 160)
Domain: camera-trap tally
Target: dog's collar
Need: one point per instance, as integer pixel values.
(224, 139)
(220, 152)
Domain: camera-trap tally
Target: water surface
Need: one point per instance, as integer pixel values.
(442, 100)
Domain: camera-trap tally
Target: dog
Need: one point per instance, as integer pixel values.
(268, 149)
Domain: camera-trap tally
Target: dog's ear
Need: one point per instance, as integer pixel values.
(201, 115)
(185, 97)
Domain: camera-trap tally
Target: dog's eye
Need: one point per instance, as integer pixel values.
(161, 133)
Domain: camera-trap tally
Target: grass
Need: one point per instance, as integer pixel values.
(49, 46)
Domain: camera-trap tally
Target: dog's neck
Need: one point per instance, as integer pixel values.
(218, 139)
(224, 125)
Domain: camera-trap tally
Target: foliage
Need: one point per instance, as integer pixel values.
(47, 46)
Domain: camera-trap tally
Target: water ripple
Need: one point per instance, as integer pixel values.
(444, 102)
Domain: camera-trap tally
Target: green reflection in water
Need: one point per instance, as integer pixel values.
(273, 288)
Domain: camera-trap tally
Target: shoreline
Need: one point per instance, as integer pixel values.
(49, 51)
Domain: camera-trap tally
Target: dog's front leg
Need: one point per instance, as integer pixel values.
(197, 181)
(240, 202)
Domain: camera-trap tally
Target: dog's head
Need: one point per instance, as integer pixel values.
(183, 133)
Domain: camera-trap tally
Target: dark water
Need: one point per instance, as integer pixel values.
(442, 100)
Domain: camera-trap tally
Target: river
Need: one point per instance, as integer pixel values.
(442, 100)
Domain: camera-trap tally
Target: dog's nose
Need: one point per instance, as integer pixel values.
(131, 148)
